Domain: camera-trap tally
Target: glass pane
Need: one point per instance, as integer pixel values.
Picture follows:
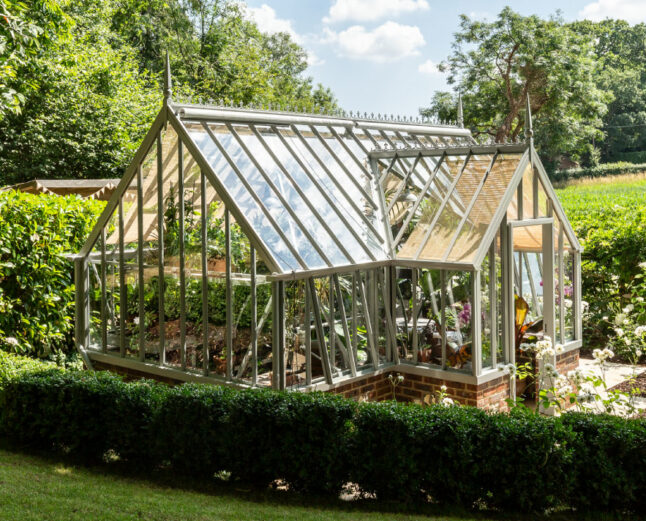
(428, 321)
(459, 321)
(487, 202)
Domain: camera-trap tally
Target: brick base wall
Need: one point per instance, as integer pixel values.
(490, 395)
(424, 389)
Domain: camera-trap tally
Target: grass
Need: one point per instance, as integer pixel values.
(39, 487)
(36, 488)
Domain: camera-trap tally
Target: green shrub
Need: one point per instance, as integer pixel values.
(606, 169)
(317, 442)
(13, 366)
(36, 280)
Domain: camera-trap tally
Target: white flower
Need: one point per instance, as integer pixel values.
(34, 237)
(608, 352)
(626, 322)
(447, 402)
(12, 341)
(559, 349)
(628, 308)
(605, 317)
(136, 320)
(642, 265)
(585, 306)
(638, 353)
(640, 330)
(550, 371)
(628, 341)
(619, 331)
(639, 299)
(619, 319)
(400, 378)
(567, 303)
(525, 346)
(509, 369)
(443, 388)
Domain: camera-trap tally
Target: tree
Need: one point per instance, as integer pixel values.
(497, 65)
(26, 29)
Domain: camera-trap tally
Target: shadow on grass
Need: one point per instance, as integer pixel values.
(238, 490)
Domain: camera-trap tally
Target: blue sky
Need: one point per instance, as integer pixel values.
(381, 55)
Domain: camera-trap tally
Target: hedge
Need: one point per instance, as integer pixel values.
(36, 280)
(606, 169)
(317, 442)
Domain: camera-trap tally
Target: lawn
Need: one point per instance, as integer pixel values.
(38, 488)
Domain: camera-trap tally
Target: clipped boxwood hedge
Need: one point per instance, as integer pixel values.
(318, 442)
(606, 169)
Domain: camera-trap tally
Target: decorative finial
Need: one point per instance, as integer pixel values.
(529, 130)
(168, 85)
(460, 111)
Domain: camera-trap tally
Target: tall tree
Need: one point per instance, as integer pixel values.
(496, 65)
(26, 29)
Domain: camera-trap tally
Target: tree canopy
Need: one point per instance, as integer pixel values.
(99, 79)
(585, 81)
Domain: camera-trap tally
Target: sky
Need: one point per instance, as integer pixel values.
(381, 56)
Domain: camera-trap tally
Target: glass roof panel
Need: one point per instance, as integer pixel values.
(484, 207)
(426, 212)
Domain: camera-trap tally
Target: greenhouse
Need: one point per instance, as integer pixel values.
(298, 251)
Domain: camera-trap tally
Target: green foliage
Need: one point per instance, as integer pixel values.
(497, 65)
(317, 442)
(26, 29)
(13, 366)
(36, 280)
(88, 117)
(610, 221)
(606, 169)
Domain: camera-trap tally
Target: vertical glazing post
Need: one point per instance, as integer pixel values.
(104, 297)
(370, 333)
(281, 339)
(577, 304)
(344, 324)
(443, 315)
(561, 268)
(307, 328)
(275, 334)
(510, 306)
(519, 197)
(182, 256)
(476, 322)
(160, 252)
(331, 322)
(415, 297)
(355, 339)
(140, 262)
(254, 318)
(82, 308)
(549, 315)
(535, 193)
(493, 304)
(320, 333)
(123, 291)
(204, 218)
(229, 294)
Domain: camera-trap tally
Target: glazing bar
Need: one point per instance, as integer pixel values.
(254, 319)
(331, 324)
(204, 222)
(229, 294)
(123, 291)
(403, 184)
(443, 316)
(493, 303)
(104, 297)
(476, 323)
(344, 324)
(307, 327)
(160, 254)
(535, 193)
(561, 304)
(415, 297)
(182, 258)
(355, 340)
(369, 330)
(532, 283)
(140, 260)
(316, 308)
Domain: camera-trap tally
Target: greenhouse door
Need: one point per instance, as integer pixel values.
(530, 280)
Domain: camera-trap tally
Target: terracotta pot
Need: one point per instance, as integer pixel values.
(217, 265)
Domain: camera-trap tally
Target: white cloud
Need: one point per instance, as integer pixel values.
(428, 68)
(388, 42)
(267, 21)
(633, 11)
(371, 10)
